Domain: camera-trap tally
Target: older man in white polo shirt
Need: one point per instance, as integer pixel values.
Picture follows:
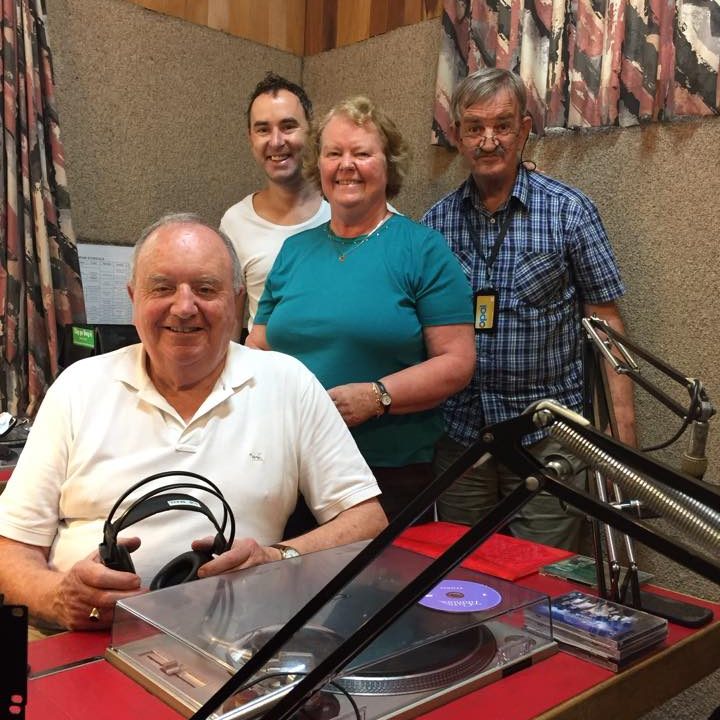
(258, 425)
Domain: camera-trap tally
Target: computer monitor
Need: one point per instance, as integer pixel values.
(82, 340)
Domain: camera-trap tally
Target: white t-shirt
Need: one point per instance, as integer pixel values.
(258, 241)
(267, 431)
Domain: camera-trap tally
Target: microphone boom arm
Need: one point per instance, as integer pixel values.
(700, 410)
(504, 442)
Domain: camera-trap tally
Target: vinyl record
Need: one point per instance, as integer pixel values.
(461, 596)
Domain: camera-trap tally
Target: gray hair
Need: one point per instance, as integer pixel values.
(187, 219)
(484, 84)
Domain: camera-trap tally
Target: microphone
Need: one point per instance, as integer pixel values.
(694, 462)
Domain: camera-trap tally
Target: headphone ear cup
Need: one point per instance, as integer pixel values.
(181, 569)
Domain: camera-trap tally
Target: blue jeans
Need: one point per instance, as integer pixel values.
(542, 520)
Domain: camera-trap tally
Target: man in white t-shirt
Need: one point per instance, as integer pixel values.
(258, 425)
(278, 115)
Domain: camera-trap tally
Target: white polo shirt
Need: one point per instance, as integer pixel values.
(267, 431)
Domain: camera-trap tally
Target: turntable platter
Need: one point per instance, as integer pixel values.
(434, 665)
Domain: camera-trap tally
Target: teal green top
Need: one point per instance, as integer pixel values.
(362, 318)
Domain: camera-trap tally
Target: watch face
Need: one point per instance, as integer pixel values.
(385, 400)
(287, 551)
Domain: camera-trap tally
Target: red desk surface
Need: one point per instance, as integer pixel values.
(98, 690)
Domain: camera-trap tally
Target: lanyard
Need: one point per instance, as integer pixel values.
(490, 260)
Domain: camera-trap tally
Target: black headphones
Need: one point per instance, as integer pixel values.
(184, 567)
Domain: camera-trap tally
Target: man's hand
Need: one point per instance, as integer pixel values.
(360, 522)
(89, 584)
(244, 553)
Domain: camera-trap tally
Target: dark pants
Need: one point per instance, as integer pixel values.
(473, 494)
(401, 485)
(301, 520)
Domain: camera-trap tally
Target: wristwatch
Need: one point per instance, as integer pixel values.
(286, 551)
(384, 397)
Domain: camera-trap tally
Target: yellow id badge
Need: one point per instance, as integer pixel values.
(485, 310)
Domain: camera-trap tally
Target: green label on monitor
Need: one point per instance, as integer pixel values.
(84, 337)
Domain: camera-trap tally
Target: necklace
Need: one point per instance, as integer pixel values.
(350, 247)
(355, 243)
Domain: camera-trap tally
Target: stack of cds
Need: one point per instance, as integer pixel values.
(604, 632)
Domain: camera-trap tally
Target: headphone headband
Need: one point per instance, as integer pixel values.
(184, 567)
(158, 476)
(134, 514)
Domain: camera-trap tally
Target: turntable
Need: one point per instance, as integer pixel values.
(183, 643)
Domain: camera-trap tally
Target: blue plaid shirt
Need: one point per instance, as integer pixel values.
(555, 258)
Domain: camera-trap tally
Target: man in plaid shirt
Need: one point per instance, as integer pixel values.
(538, 259)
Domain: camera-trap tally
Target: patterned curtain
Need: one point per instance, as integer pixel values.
(587, 63)
(40, 286)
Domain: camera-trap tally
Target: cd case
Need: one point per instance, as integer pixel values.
(582, 569)
(183, 643)
(599, 628)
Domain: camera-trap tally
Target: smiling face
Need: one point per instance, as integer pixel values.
(278, 131)
(184, 305)
(353, 167)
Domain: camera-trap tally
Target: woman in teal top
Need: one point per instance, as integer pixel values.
(373, 303)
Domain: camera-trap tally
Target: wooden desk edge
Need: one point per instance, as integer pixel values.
(661, 676)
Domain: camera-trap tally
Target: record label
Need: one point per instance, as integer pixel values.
(461, 596)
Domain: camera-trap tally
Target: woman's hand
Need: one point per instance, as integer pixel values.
(356, 402)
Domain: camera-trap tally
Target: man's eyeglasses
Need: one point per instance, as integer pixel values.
(476, 133)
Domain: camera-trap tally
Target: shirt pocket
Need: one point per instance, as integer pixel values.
(540, 278)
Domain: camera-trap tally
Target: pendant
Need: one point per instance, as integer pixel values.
(341, 258)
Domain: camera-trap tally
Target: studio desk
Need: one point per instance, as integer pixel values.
(561, 687)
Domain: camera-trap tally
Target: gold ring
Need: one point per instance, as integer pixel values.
(94, 614)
